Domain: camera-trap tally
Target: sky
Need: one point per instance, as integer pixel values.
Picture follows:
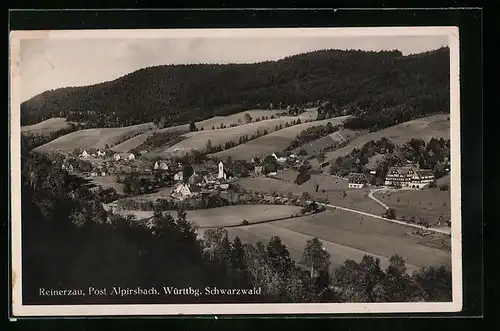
(47, 63)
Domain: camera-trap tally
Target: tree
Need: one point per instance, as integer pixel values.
(435, 283)
(270, 164)
(390, 214)
(76, 151)
(217, 245)
(192, 127)
(247, 118)
(209, 146)
(237, 254)
(302, 152)
(278, 255)
(161, 124)
(360, 282)
(399, 286)
(321, 157)
(187, 171)
(316, 258)
(303, 175)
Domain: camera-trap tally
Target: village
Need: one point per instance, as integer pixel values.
(183, 179)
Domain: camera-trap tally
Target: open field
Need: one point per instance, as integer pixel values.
(93, 138)
(329, 187)
(273, 142)
(136, 141)
(234, 215)
(443, 180)
(437, 126)
(47, 126)
(346, 236)
(429, 203)
(198, 140)
(107, 182)
(228, 216)
(233, 119)
(341, 136)
(205, 124)
(161, 193)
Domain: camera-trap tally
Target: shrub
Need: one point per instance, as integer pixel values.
(444, 187)
(390, 214)
(245, 222)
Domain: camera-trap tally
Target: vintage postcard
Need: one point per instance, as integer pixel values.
(235, 171)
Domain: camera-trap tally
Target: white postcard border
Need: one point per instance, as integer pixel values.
(20, 310)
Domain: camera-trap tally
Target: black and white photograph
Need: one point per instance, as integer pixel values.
(235, 171)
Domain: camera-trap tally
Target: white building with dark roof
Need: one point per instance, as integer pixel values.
(357, 180)
(409, 177)
(399, 176)
(421, 178)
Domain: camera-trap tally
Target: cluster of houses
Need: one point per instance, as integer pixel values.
(201, 182)
(280, 157)
(403, 177)
(102, 154)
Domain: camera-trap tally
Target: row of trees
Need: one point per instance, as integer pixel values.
(312, 133)
(135, 184)
(385, 85)
(160, 139)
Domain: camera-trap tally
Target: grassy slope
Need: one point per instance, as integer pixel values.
(273, 142)
(92, 138)
(207, 129)
(230, 215)
(430, 203)
(328, 187)
(335, 138)
(198, 140)
(136, 141)
(45, 127)
(436, 126)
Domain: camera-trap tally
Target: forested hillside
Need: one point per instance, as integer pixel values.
(352, 82)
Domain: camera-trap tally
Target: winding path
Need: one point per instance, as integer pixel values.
(370, 195)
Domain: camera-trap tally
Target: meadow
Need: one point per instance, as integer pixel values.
(274, 142)
(46, 127)
(333, 188)
(94, 138)
(436, 126)
(347, 236)
(429, 203)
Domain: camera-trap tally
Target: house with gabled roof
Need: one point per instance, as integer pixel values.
(280, 157)
(421, 178)
(357, 180)
(399, 176)
(179, 176)
(408, 177)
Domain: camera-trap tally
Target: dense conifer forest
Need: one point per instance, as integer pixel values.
(378, 87)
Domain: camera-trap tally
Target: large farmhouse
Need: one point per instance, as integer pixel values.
(357, 180)
(408, 177)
